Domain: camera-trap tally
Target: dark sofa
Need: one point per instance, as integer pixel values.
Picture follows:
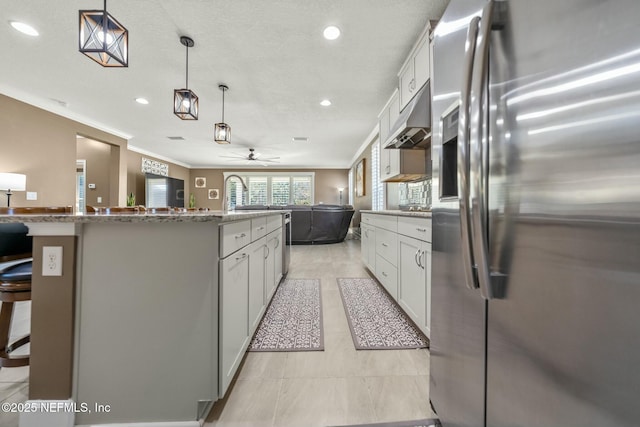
(314, 224)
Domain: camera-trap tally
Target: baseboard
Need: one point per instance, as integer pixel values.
(158, 424)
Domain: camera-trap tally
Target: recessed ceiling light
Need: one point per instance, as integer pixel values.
(142, 101)
(300, 139)
(24, 28)
(331, 32)
(325, 102)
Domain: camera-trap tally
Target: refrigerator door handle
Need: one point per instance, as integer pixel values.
(478, 153)
(463, 155)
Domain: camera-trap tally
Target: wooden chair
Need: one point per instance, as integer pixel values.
(108, 210)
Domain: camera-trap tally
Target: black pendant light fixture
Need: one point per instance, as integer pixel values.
(103, 38)
(222, 131)
(185, 102)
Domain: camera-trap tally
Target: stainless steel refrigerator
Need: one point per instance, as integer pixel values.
(536, 214)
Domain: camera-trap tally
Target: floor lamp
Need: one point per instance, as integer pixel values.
(12, 182)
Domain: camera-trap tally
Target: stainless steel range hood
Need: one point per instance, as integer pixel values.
(413, 127)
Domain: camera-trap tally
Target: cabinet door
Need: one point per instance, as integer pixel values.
(411, 283)
(270, 269)
(368, 246)
(384, 125)
(407, 84)
(385, 168)
(394, 111)
(257, 297)
(278, 254)
(421, 64)
(234, 315)
(394, 162)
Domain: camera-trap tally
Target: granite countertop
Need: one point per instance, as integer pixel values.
(209, 216)
(419, 214)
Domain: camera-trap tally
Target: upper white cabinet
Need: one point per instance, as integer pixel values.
(415, 72)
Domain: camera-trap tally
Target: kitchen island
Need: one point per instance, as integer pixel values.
(146, 322)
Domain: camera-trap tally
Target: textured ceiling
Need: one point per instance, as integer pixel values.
(270, 53)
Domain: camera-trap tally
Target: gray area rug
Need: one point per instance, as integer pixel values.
(414, 423)
(293, 321)
(375, 320)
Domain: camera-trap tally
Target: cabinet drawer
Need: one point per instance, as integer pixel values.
(233, 236)
(387, 245)
(387, 274)
(258, 228)
(388, 222)
(367, 219)
(273, 222)
(418, 228)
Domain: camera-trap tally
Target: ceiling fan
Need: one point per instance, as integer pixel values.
(253, 157)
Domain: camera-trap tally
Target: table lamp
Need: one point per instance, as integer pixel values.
(12, 182)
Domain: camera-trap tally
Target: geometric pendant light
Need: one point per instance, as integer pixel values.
(222, 131)
(103, 38)
(185, 102)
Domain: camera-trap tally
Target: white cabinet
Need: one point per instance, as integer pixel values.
(388, 117)
(368, 246)
(273, 262)
(415, 72)
(234, 315)
(397, 250)
(257, 297)
(412, 271)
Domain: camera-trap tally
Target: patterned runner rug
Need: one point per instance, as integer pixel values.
(375, 320)
(293, 321)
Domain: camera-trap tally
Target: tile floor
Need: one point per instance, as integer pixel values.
(337, 386)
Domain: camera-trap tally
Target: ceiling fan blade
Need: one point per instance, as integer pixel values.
(268, 161)
(234, 157)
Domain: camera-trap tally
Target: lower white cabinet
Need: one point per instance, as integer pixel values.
(413, 288)
(257, 298)
(397, 250)
(234, 314)
(368, 248)
(273, 262)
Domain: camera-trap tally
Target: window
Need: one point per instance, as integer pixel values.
(275, 188)
(280, 190)
(351, 186)
(377, 187)
(302, 190)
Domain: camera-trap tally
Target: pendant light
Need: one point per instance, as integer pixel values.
(185, 102)
(222, 131)
(103, 38)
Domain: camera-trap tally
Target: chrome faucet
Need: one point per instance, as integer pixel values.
(225, 202)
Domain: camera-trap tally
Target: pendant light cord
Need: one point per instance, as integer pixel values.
(187, 73)
(223, 91)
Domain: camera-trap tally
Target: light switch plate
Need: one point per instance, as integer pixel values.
(32, 195)
(52, 260)
(99, 199)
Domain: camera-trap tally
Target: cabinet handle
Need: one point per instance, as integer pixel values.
(385, 245)
(384, 274)
(277, 244)
(388, 169)
(415, 257)
(268, 251)
(243, 256)
(260, 228)
(240, 236)
(422, 230)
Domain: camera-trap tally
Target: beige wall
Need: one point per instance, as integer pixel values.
(327, 182)
(42, 145)
(363, 202)
(135, 177)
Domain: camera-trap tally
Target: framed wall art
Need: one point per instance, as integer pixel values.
(360, 173)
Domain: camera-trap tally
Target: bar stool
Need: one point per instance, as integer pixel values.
(15, 286)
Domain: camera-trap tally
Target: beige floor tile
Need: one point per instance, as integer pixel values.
(323, 401)
(251, 403)
(397, 398)
(260, 364)
(14, 375)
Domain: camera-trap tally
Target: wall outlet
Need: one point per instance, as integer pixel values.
(52, 260)
(32, 195)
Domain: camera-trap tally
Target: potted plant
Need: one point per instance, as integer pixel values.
(131, 199)
(192, 200)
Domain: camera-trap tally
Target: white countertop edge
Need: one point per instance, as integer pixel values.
(419, 214)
